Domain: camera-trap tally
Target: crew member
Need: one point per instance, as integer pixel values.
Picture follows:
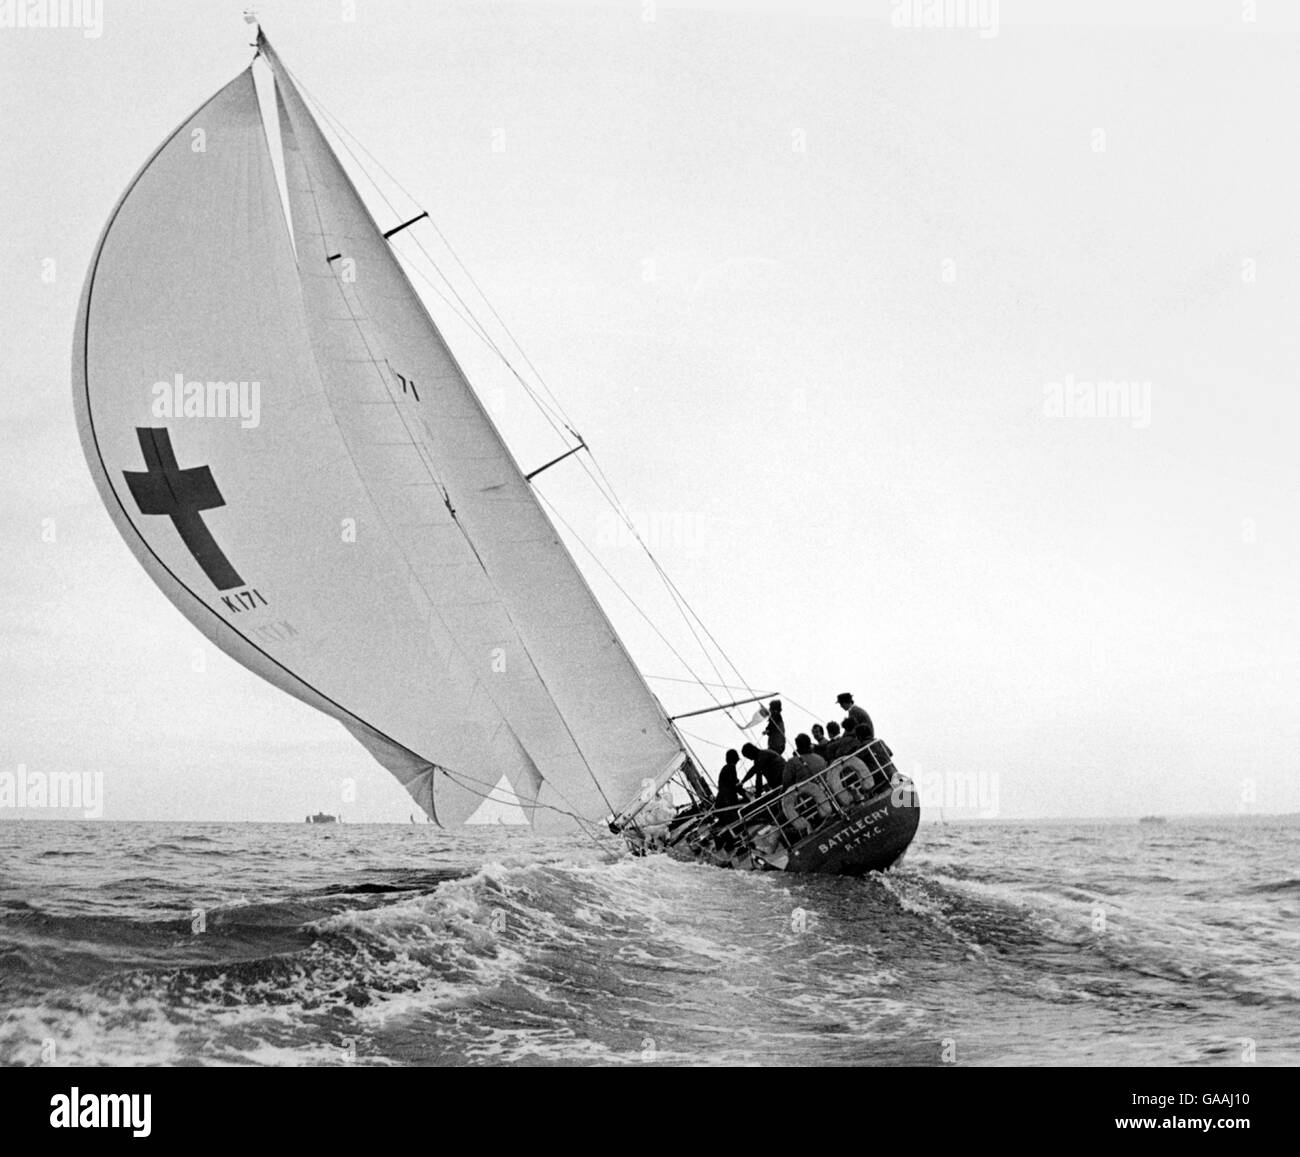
(775, 729)
(835, 740)
(730, 793)
(854, 716)
(767, 766)
(730, 796)
(819, 739)
(804, 763)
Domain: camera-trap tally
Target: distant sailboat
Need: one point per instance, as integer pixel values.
(365, 542)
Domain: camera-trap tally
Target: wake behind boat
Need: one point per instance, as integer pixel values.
(356, 531)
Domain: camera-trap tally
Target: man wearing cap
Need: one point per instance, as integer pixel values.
(855, 716)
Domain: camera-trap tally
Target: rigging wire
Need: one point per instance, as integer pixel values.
(620, 588)
(343, 133)
(807, 711)
(672, 587)
(555, 416)
(467, 317)
(602, 483)
(701, 739)
(678, 679)
(584, 824)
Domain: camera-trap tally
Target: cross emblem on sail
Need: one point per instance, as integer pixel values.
(182, 495)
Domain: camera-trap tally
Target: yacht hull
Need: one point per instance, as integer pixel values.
(831, 824)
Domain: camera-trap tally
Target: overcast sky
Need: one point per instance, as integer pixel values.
(816, 289)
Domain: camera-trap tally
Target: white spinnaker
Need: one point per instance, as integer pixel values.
(194, 275)
(332, 580)
(569, 690)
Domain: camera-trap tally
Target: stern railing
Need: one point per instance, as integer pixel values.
(727, 830)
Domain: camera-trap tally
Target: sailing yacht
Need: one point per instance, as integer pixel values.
(365, 541)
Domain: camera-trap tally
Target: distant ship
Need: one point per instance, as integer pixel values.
(1152, 820)
(322, 818)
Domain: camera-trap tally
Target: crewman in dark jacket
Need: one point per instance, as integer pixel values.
(835, 741)
(860, 743)
(730, 793)
(855, 716)
(730, 796)
(768, 767)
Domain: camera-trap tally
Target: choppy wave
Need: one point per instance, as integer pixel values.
(391, 946)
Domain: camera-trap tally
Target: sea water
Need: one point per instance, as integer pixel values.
(1108, 943)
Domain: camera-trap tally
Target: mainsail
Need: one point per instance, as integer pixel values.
(365, 541)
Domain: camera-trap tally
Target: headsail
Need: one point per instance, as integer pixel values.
(365, 542)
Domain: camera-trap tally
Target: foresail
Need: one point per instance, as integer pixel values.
(455, 503)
